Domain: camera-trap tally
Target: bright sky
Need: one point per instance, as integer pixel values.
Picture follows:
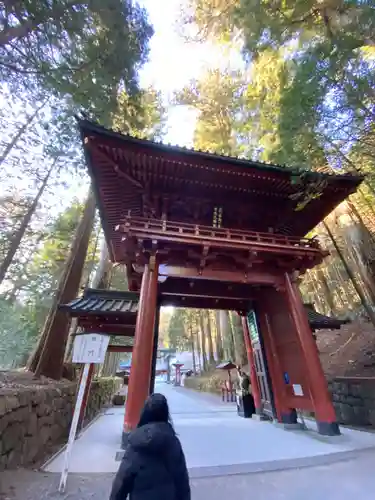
(174, 62)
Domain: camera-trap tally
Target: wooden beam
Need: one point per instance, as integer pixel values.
(120, 330)
(120, 348)
(205, 302)
(253, 277)
(205, 288)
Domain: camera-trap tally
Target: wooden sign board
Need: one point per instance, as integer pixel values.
(90, 348)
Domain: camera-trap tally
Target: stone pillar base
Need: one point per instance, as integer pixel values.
(298, 426)
(289, 418)
(328, 428)
(259, 417)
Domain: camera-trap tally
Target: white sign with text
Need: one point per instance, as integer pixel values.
(90, 348)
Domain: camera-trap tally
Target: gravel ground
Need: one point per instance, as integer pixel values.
(340, 481)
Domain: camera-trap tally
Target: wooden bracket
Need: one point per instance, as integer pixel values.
(203, 259)
(152, 262)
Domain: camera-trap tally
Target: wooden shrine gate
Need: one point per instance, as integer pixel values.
(194, 229)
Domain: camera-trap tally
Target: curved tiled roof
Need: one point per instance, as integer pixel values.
(111, 302)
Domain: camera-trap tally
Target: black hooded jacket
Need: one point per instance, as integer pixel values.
(153, 467)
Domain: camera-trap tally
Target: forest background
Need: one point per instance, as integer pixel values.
(289, 83)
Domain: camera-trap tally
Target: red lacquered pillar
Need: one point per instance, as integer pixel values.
(253, 374)
(141, 366)
(321, 399)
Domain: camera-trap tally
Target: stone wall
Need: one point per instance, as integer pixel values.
(34, 420)
(354, 400)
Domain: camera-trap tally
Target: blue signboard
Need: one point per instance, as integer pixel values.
(286, 378)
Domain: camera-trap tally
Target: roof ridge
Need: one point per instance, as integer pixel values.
(84, 123)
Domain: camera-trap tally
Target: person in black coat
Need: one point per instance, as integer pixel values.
(153, 466)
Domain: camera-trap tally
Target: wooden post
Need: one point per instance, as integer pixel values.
(140, 372)
(85, 395)
(253, 374)
(324, 411)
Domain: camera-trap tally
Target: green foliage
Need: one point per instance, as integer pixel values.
(48, 262)
(177, 334)
(18, 331)
(142, 115)
(312, 74)
(86, 49)
(217, 97)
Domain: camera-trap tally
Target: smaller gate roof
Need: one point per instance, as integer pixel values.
(103, 303)
(121, 306)
(319, 321)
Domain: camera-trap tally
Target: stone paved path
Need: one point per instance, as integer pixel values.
(352, 479)
(344, 480)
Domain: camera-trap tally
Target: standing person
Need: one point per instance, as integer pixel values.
(154, 466)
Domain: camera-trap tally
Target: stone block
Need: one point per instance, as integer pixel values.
(369, 403)
(354, 401)
(11, 436)
(15, 458)
(368, 390)
(38, 397)
(361, 416)
(25, 398)
(46, 421)
(3, 406)
(20, 415)
(355, 389)
(336, 387)
(4, 422)
(345, 413)
(32, 424)
(43, 409)
(31, 449)
(11, 403)
(45, 435)
(371, 417)
(56, 432)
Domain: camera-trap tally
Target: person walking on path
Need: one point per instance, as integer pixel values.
(153, 466)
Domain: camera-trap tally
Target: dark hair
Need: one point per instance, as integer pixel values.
(155, 410)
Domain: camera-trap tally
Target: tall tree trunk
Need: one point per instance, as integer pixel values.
(101, 280)
(211, 355)
(102, 277)
(20, 232)
(203, 341)
(226, 331)
(8, 148)
(219, 340)
(342, 291)
(199, 352)
(239, 343)
(361, 254)
(351, 275)
(327, 291)
(192, 348)
(49, 355)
